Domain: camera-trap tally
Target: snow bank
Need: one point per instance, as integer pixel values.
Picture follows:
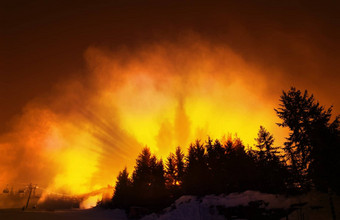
(309, 206)
(192, 207)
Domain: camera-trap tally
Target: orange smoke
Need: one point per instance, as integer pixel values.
(162, 95)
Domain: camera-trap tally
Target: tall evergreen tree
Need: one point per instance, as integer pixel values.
(170, 171)
(122, 192)
(158, 189)
(197, 173)
(309, 125)
(264, 142)
(148, 180)
(272, 171)
(242, 170)
(180, 165)
(216, 159)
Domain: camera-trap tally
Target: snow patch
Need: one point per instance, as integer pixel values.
(207, 207)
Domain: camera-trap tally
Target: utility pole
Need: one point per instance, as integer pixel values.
(30, 188)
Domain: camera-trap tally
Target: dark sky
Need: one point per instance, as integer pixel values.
(42, 42)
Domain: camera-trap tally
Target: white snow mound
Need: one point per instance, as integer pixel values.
(193, 207)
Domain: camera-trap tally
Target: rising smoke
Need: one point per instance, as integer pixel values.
(164, 94)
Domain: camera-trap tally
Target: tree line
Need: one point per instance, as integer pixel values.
(308, 159)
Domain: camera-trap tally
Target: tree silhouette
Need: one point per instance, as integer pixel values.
(216, 159)
(324, 168)
(271, 170)
(310, 155)
(180, 165)
(170, 171)
(174, 172)
(148, 180)
(241, 167)
(264, 142)
(197, 173)
(310, 130)
(158, 189)
(122, 193)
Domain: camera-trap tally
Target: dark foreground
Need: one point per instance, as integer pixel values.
(88, 214)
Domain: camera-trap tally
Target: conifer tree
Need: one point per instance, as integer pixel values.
(216, 159)
(180, 165)
(148, 180)
(313, 139)
(122, 191)
(264, 142)
(170, 171)
(271, 170)
(197, 173)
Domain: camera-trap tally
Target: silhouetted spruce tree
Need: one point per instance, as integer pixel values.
(174, 173)
(324, 168)
(148, 180)
(231, 182)
(180, 165)
(308, 146)
(272, 171)
(196, 180)
(170, 171)
(216, 159)
(122, 193)
(158, 188)
(264, 142)
(244, 167)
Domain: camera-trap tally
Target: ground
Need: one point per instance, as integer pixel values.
(245, 205)
(88, 214)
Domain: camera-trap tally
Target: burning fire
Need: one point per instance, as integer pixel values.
(164, 95)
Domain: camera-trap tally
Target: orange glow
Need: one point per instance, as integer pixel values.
(90, 202)
(162, 96)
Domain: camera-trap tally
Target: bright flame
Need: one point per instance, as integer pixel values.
(162, 96)
(90, 202)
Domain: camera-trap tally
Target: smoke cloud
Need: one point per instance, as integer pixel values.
(173, 77)
(162, 95)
